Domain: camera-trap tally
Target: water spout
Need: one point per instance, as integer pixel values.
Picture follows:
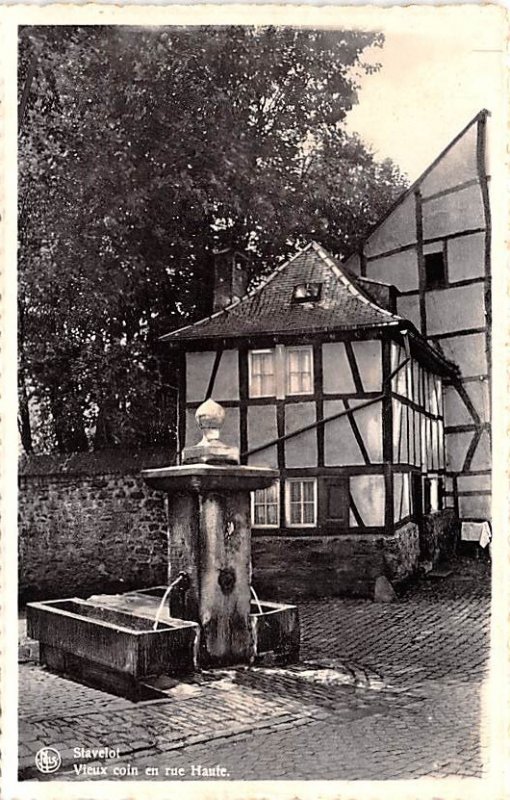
(254, 593)
(169, 588)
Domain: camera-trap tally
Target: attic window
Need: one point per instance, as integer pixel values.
(435, 270)
(307, 293)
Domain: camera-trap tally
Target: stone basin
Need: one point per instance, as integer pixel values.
(276, 634)
(275, 626)
(108, 647)
(108, 640)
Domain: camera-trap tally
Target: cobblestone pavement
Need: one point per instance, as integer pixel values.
(382, 692)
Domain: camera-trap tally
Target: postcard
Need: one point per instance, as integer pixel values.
(254, 385)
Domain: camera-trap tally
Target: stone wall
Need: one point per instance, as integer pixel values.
(402, 553)
(439, 535)
(286, 567)
(88, 523)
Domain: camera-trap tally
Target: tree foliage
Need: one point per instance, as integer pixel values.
(141, 151)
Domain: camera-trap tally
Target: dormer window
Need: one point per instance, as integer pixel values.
(307, 293)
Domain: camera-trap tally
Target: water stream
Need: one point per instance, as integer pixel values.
(254, 593)
(163, 599)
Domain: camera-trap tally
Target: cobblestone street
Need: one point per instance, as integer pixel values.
(382, 692)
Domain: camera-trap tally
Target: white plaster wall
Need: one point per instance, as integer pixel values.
(466, 257)
(301, 450)
(455, 411)
(400, 496)
(397, 230)
(340, 445)
(479, 394)
(477, 506)
(368, 493)
(368, 355)
(198, 372)
(457, 166)
(400, 269)
(452, 213)
(226, 385)
(337, 376)
(369, 422)
(468, 352)
(409, 308)
(455, 309)
(473, 483)
(261, 428)
(400, 444)
(482, 455)
(456, 448)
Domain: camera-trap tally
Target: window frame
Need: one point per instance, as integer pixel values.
(288, 522)
(260, 351)
(301, 348)
(267, 525)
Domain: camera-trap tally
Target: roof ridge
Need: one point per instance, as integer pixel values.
(348, 283)
(241, 299)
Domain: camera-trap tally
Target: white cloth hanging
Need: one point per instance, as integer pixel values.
(476, 532)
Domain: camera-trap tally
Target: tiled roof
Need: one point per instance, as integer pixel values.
(269, 309)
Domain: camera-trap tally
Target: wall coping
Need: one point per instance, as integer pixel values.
(114, 461)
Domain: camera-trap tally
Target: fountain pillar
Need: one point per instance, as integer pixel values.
(210, 539)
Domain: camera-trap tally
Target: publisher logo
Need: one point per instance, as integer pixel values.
(48, 760)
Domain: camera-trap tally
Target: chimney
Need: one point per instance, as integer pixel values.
(230, 277)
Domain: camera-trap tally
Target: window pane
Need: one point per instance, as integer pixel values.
(308, 514)
(295, 491)
(299, 370)
(301, 502)
(267, 363)
(306, 383)
(262, 380)
(272, 493)
(265, 506)
(308, 491)
(293, 360)
(294, 384)
(304, 360)
(272, 517)
(295, 514)
(267, 384)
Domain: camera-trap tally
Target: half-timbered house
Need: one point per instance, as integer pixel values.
(344, 397)
(335, 374)
(434, 246)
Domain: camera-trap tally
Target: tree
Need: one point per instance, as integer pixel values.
(142, 150)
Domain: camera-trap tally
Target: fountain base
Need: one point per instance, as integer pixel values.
(108, 641)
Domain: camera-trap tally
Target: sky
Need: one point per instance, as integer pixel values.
(434, 79)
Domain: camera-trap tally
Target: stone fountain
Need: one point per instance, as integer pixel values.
(126, 643)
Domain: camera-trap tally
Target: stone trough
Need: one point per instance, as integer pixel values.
(108, 641)
(110, 648)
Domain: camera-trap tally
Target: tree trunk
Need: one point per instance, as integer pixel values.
(68, 422)
(24, 426)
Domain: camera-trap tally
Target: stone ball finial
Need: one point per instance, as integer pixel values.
(210, 417)
(210, 450)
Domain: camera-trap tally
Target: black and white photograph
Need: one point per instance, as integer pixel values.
(260, 287)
